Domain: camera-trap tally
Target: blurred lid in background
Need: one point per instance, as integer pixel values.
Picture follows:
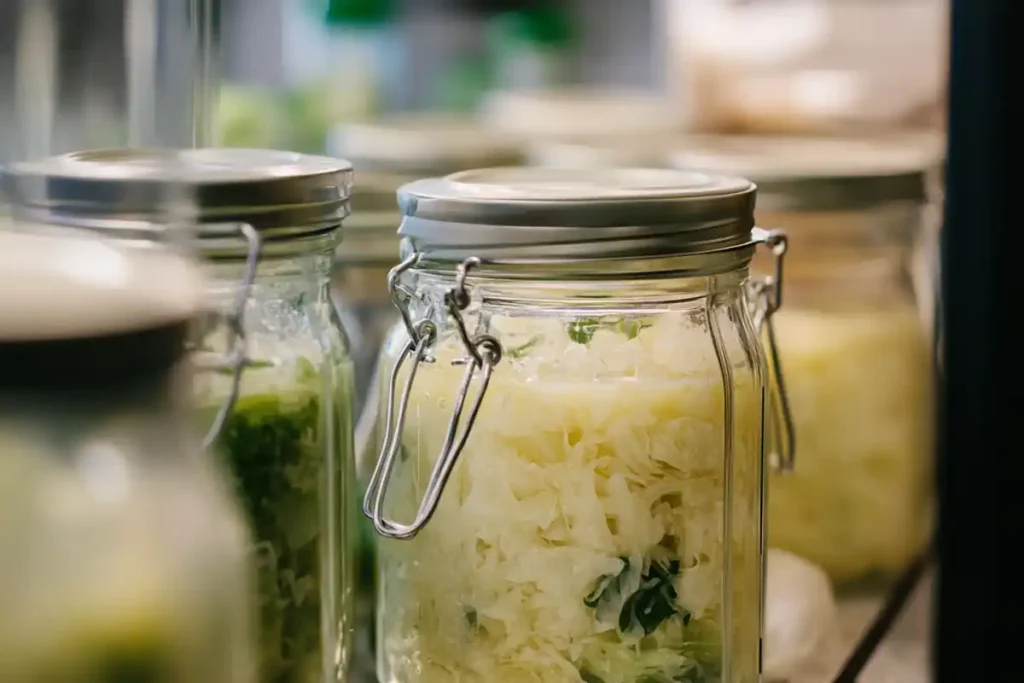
(426, 144)
(821, 174)
(577, 113)
(638, 150)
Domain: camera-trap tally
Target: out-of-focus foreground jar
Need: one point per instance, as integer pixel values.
(585, 341)
(288, 441)
(123, 555)
(856, 359)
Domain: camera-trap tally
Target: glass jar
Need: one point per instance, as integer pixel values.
(389, 153)
(288, 441)
(856, 358)
(123, 553)
(584, 340)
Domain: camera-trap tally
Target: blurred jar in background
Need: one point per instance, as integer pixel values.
(82, 74)
(266, 224)
(123, 557)
(387, 154)
(854, 354)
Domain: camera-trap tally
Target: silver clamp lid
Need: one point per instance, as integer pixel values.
(590, 222)
(130, 192)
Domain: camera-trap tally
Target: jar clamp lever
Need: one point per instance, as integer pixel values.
(766, 295)
(483, 354)
(238, 355)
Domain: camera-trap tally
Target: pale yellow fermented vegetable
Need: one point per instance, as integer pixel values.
(581, 537)
(859, 382)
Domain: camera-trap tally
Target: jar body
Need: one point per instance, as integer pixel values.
(288, 446)
(123, 555)
(604, 519)
(858, 375)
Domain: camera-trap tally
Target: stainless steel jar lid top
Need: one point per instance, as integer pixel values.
(549, 215)
(421, 145)
(282, 194)
(826, 174)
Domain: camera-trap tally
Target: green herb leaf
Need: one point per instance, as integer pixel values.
(588, 677)
(647, 607)
(631, 327)
(582, 331)
(520, 351)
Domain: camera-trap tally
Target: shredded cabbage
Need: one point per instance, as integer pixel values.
(580, 538)
(859, 383)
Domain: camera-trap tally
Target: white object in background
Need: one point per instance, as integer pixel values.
(801, 615)
(806, 65)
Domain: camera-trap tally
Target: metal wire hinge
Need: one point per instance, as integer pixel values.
(238, 356)
(766, 294)
(483, 354)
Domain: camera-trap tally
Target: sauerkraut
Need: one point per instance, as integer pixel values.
(581, 536)
(859, 385)
(288, 479)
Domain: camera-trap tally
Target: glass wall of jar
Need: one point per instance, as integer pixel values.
(584, 340)
(855, 355)
(81, 75)
(388, 153)
(123, 552)
(288, 441)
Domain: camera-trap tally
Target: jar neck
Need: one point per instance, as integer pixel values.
(306, 274)
(606, 295)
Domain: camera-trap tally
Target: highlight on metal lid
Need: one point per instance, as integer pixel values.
(281, 194)
(558, 217)
(820, 174)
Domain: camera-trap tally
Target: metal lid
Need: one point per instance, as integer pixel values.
(421, 145)
(129, 192)
(827, 174)
(594, 222)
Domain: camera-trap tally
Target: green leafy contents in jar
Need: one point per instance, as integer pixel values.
(272, 444)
